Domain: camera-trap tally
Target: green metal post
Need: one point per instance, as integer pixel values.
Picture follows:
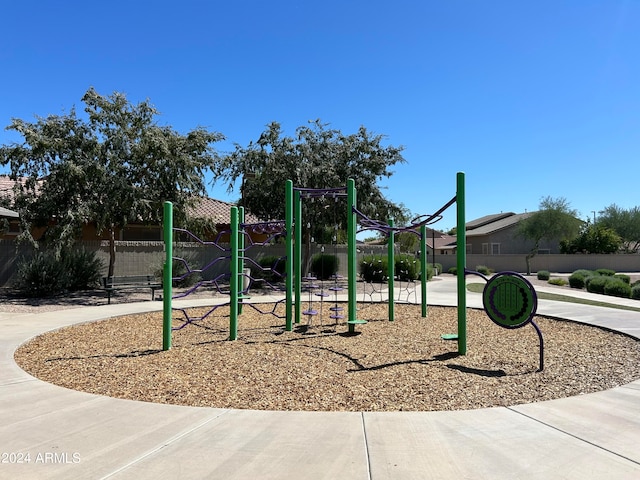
(233, 286)
(391, 264)
(240, 257)
(167, 279)
(351, 253)
(423, 268)
(461, 247)
(297, 209)
(288, 220)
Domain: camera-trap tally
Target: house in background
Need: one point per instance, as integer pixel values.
(497, 234)
(217, 211)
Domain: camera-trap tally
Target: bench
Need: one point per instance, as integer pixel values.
(130, 282)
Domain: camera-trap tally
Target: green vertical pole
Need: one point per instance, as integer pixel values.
(351, 253)
(461, 248)
(167, 278)
(288, 279)
(423, 268)
(233, 287)
(240, 256)
(391, 264)
(297, 209)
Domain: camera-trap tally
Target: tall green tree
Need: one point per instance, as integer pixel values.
(626, 223)
(554, 221)
(316, 157)
(114, 167)
(593, 239)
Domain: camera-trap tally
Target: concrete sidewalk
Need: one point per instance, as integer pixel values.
(48, 432)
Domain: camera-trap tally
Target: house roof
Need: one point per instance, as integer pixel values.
(6, 186)
(205, 207)
(218, 210)
(493, 223)
(4, 212)
(487, 219)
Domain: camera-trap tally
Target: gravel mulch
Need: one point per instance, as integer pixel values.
(388, 366)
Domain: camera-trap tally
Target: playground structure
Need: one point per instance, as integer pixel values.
(292, 230)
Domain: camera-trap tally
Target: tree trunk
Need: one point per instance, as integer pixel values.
(112, 251)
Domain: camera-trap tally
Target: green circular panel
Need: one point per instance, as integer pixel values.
(509, 300)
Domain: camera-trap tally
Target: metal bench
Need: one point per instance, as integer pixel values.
(130, 282)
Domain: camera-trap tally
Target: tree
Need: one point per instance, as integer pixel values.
(116, 167)
(593, 239)
(626, 223)
(317, 157)
(554, 221)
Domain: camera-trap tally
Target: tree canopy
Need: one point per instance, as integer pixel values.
(554, 221)
(316, 157)
(115, 167)
(626, 223)
(592, 239)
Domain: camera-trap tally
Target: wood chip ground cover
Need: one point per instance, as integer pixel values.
(402, 365)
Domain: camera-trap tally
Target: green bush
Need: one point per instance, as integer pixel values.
(180, 265)
(484, 270)
(83, 270)
(373, 268)
(635, 292)
(558, 281)
(437, 266)
(605, 272)
(272, 269)
(578, 278)
(324, 265)
(453, 270)
(46, 274)
(407, 268)
(625, 278)
(596, 283)
(635, 284)
(617, 288)
(543, 275)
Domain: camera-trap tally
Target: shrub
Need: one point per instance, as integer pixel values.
(636, 283)
(596, 283)
(558, 281)
(453, 270)
(543, 275)
(635, 292)
(625, 278)
(180, 265)
(324, 265)
(83, 270)
(617, 288)
(45, 274)
(483, 270)
(373, 268)
(435, 266)
(606, 272)
(39, 276)
(407, 268)
(272, 269)
(578, 278)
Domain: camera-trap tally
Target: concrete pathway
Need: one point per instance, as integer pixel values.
(48, 432)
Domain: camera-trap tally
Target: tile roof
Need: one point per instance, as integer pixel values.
(501, 222)
(206, 207)
(218, 210)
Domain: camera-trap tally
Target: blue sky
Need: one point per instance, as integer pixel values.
(529, 98)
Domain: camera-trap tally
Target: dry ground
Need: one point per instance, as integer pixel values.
(400, 365)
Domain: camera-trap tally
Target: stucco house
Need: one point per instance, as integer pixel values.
(497, 234)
